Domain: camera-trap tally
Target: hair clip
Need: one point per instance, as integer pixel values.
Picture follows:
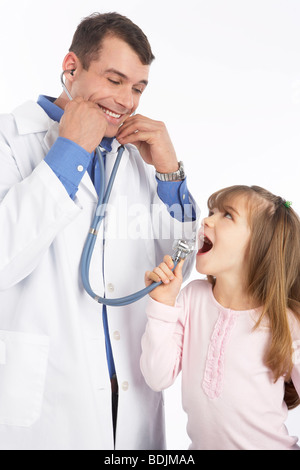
(288, 204)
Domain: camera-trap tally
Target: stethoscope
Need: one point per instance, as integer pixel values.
(181, 248)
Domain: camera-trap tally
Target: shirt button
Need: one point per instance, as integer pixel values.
(110, 287)
(117, 336)
(125, 386)
(80, 168)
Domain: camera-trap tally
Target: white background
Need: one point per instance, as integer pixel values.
(226, 81)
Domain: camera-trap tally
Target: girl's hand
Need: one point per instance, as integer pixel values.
(168, 291)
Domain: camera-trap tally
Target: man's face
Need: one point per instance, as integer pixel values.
(115, 82)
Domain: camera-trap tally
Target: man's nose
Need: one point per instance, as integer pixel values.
(125, 98)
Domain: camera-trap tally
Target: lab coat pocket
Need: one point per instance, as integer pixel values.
(23, 365)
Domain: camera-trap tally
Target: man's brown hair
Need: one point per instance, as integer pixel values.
(87, 40)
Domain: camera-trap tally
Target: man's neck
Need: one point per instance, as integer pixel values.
(61, 101)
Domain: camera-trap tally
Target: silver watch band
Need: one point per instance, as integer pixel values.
(178, 175)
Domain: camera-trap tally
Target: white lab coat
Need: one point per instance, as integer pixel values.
(55, 389)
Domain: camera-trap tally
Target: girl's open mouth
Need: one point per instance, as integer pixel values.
(205, 245)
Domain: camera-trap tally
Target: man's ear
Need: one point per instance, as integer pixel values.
(70, 64)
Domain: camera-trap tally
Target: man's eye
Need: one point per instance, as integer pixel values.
(113, 81)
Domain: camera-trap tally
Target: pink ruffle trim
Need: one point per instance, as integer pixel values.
(214, 369)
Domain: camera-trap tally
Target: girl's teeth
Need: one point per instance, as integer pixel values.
(110, 113)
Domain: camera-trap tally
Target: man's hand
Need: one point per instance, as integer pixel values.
(152, 140)
(84, 123)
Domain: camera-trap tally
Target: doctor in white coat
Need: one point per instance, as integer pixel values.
(60, 351)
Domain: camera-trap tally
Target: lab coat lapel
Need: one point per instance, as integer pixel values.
(30, 118)
(51, 134)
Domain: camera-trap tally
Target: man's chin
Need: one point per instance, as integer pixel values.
(111, 135)
(112, 131)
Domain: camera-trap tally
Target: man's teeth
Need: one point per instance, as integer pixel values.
(110, 113)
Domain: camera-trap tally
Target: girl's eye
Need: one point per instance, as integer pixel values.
(227, 215)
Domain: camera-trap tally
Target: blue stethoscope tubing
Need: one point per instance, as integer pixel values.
(92, 237)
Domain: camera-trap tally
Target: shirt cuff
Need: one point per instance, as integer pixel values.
(175, 195)
(69, 162)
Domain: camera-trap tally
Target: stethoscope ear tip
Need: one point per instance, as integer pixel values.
(63, 83)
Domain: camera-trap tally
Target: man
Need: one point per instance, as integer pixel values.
(69, 368)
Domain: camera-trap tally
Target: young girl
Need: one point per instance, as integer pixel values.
(235, 335)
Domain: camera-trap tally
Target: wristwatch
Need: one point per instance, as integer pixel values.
(178, 175)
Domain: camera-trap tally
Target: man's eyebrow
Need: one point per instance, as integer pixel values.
(122, 75)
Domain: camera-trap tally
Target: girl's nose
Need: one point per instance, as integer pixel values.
(209, 221)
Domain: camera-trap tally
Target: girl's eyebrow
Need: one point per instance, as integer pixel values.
(231, 209)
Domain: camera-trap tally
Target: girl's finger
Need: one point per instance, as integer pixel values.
(150, 276)
(164, 273)
(169, 261)
(178, 269)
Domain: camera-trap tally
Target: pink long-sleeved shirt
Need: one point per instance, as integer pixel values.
(227, 392)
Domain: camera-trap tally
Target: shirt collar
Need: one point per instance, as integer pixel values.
(47, 103)
(55, 113)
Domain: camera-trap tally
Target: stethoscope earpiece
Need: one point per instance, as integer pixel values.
(71, 72)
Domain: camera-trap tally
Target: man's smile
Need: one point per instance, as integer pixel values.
(109, 112)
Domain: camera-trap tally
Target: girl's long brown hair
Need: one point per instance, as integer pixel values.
(273, 272)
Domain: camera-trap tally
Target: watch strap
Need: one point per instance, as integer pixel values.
(178, 175)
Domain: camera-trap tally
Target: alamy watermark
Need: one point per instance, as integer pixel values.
(123, 220)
